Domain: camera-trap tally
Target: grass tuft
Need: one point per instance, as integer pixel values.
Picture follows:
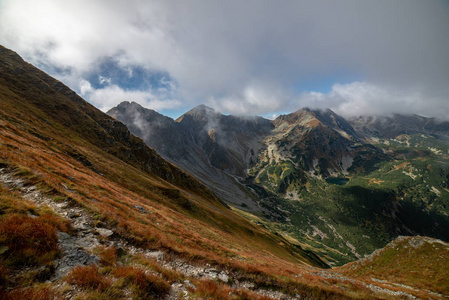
(34, 293)
(146, 285)
(88, 277)
(108, 255)
(27, 240)
(210, 289)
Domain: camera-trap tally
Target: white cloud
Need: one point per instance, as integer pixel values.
(112, 95)
(104, 80)
(362, 98)
(218, 50)
(257, 98)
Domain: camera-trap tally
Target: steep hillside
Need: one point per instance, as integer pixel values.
(158, 131)
(286, 162)
(91, 192)
(212, 147)
(229, 142)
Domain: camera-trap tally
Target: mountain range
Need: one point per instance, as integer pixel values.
(142, 206)
(282, 170)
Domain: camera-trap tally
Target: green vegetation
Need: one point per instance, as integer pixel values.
(341, 218)
(413, 261)
(337, 180)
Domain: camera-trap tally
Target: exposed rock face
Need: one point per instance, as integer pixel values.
(227, 141)
(319, 142)
(152, 127)
(224, 142)
(224, 151)
(212, 147)
(73, 255)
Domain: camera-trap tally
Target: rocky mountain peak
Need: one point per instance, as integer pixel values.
(313, 118)
(200, 113)
(307, 115)
(304, 116)
(127, 106)
(201, 108)
(114, 201)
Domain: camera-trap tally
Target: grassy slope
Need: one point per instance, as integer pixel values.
(67, 141)
(53, 139)
(412, 261)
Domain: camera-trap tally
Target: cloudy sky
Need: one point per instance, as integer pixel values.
(241, 57)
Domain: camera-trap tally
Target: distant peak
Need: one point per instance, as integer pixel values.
(314, 117)
(131, 107)
(202, 108)
(200, 113)
(303, 111)
(129, 104)
(316, 110)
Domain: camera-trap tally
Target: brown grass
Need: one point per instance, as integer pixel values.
(210, 289)
(28, 240)
(108, 255)
(30, 293)
(421, 267)
(168, 274)
(4, 276)
(88, 277)
(59, 223)
(11, 202)
(146, 285)
(36, 128)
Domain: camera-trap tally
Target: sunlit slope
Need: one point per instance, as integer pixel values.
(418, 262)
(68, 148)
